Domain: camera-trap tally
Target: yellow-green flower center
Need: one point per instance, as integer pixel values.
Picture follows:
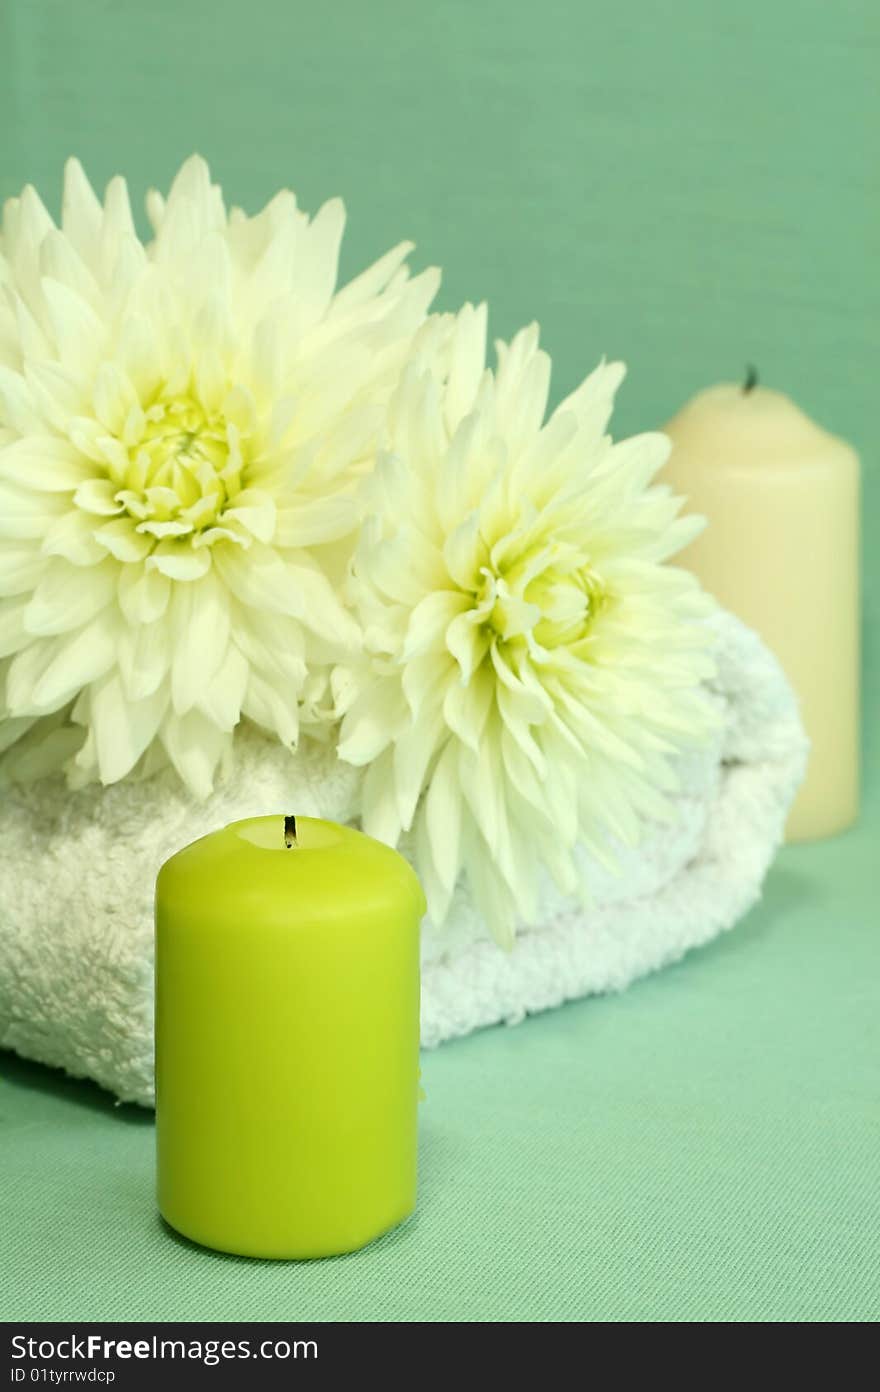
(569, 604)
(184, 471)
(557, 607)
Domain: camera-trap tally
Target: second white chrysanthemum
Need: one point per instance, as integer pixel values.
(533, 666)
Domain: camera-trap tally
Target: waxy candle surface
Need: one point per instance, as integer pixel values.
(781, 550)
(287, 1035)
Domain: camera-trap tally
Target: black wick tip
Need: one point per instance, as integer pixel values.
(289, 832)
(751, 379)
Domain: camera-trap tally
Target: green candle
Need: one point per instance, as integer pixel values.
(287, 1033)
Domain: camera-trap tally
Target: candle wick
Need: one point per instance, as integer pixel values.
(289, 832)
(751, 379)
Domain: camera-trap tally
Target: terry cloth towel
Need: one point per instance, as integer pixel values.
(77, 873)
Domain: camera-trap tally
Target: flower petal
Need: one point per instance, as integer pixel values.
(322, 610)
(317, 520)
(98, 495)
(68, 597)
(465, 553)
(21, 568)
(272, 709)
(254, 510)
(12, 728)
(372, 281)
(404, 567)
(19, 409)
(13, 634)
(114, 397)
(24, 674)
(25, 514)
(44, 462)
(369, 725)
(123, 539)
(468, 640)
(179, 561)
(424, 680)
(79, 334)
(143, 594)
(123, 729)
(80, 659)
(144, 655)
(163, 530)
(468, 363)
(430, 620)
(200, 626)
(258, 578)
(72, 535)
(379, 815)
(222, 700)
(138, 355)
(466, 706)
(414, 750)
(443, 816)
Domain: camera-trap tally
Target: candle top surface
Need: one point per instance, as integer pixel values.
(269, 833)
(728, 417)
(329, 870)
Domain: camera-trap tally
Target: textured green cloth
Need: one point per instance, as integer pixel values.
(682, 186)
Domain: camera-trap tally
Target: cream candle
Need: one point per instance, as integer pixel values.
(287, 1036)
(781, 550)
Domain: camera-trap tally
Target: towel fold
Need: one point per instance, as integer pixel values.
(77, 872)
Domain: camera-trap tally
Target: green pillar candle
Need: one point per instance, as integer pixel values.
(287, 1034)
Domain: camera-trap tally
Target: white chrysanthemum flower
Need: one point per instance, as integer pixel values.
(534, 666)
(181, 428)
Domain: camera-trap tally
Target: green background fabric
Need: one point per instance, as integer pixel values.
(688, 186)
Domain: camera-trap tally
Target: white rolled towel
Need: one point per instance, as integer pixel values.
(77, 873)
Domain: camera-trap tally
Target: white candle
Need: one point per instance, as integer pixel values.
(781, 550)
